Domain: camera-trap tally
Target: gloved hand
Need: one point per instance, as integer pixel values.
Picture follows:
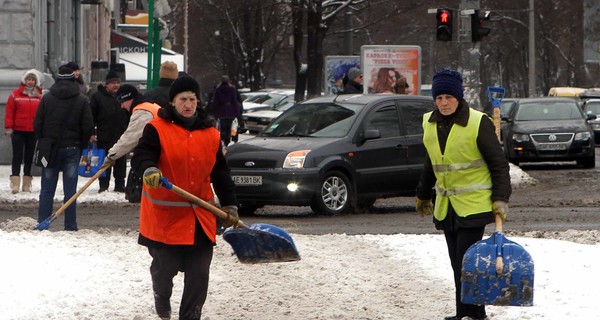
(108, 162)
(500, 208)
(152, 177)
(232, 216)
(424, 207)
(8, 132)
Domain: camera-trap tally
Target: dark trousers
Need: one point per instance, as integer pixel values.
(225, 128)
(120, 172)
(23, 144)
(194, 262)
(458, 242)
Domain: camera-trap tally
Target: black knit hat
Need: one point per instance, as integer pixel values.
(183, 84)
(448, 81)
(112, 76)
(65, 73)
(73, 65)
(126, 92)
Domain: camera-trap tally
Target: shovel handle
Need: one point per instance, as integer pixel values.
(499, 261)
(197, 201)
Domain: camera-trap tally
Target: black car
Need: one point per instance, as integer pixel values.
(592, 106)
(333, 154)
(549, 129)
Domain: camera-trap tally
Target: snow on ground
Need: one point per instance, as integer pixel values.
(104, 275)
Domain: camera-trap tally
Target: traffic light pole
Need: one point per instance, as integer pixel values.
(531, 73)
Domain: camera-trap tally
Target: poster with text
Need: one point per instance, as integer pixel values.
(336, 67)
(391, 69)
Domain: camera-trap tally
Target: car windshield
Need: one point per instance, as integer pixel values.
(313, 120)
(268, 99)
(592, 108)
(542, 111)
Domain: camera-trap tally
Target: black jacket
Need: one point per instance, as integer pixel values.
(160, 94)
(110, 119)
(64, 110)
(353, 88)
(490, 148)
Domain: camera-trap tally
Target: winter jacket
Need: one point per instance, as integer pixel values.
(225, 102)
(142, 112)
(21, 109)
(110, 120)
(353, 88)
(182, 162)
(160, 94)
(64, 110)
(491, 151)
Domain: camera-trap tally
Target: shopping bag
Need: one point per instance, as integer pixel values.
(91, 160)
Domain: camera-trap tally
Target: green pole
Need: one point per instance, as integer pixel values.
(157, 52)
(150, 64)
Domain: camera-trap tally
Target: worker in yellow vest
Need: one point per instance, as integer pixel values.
(467, 170)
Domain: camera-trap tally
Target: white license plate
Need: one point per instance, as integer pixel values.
(553, 146)
(247, 180)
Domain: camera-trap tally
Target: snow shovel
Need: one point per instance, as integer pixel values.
(257, 243)
(497, 271)
(46, 223)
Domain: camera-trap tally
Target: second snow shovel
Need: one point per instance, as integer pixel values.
(257, 243)
(497, 271)
(46, 223)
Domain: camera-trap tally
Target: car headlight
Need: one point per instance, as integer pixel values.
(295, 159)
(583, 135)
(596, 126)
(520, 137)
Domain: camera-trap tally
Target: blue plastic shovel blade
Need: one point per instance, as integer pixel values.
(262, 243)
(481, 285)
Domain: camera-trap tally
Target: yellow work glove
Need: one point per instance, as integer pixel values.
(424, 207)
(152, 177)
(500, 208)
(108, 162)
(232, 216)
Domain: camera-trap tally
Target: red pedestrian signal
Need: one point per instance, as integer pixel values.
(444, 25)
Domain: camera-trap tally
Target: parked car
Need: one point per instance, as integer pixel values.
(257, 119)
(333, 154)
(592, 106)
(549, 129)
(268, 100)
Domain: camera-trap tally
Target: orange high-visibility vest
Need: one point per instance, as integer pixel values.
(148, 106)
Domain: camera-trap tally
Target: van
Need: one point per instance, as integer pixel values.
(565, 92)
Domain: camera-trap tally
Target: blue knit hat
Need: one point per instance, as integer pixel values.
(448, 81)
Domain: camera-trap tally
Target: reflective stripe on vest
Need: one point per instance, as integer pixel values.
(462, 176)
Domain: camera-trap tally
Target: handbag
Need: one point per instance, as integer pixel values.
(44, 154)
(91, 160)
(133, 189)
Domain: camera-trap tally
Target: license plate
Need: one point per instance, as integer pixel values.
(552, 146)
(247, 180)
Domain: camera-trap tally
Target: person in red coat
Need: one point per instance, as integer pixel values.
(21, 107)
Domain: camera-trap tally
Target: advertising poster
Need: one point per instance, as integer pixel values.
(336, 67)
(391, 69)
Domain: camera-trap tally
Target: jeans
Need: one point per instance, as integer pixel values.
(23, 143)
(67, 161)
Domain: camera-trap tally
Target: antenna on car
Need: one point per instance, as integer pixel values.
(337, 94)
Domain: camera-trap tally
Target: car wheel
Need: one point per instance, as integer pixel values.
(247, 210)
(589, 162)
(334, 194)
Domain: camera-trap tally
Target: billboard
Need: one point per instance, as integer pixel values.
(391, 69)
(335, 68)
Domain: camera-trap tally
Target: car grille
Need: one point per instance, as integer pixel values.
(552, 137)
(257, 163)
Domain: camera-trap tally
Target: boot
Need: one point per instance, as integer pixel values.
(27, 183)
(15, 183)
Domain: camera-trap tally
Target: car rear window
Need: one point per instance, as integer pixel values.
(548, 111)
(313, 120)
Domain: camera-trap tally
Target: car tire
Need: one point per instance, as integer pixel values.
(334, 195)
(589, 162)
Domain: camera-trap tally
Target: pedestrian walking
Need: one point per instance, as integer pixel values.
(21, 107)
(355, 81)
(83, 87)
(63, 115)
(110, 122)
(467, 169)
(182, 145)
(225, 107)
(168, 73)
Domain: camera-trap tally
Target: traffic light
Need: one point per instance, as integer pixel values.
(444, 24)
(477, 29)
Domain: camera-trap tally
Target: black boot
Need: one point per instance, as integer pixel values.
(452, 318)
(162, 306)
(119, 186)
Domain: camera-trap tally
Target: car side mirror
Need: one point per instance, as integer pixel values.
(591, 116)
(372, 134)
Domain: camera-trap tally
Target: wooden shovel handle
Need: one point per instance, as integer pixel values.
(499, 261)
(197, 201)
